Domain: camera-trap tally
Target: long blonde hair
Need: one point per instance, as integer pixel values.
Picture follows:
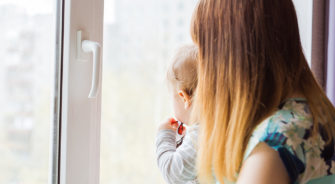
(250, 60)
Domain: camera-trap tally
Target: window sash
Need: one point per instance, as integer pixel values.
(80, 121)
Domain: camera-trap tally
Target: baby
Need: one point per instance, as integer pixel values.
(177, 160)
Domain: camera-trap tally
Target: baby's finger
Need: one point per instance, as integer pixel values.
(173, 123)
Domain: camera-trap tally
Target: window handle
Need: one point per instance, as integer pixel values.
(95, 48)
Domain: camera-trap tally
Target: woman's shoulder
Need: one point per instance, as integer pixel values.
(293, 113)
(288, 125)
(285, 127)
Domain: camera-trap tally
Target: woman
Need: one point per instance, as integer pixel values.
(263, 117)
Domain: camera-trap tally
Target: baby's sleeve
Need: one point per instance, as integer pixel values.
(176, 164)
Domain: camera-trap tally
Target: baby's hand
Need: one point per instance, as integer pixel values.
(169, 124)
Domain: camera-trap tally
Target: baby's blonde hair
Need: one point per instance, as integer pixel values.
(182, 73)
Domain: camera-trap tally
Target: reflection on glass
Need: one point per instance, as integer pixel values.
(26, 66)
(139, 39)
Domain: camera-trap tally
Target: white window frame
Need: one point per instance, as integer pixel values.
(80, 121)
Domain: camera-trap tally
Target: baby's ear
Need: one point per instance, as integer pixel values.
(185, 97)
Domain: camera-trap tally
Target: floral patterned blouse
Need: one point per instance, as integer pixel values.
(307, 159)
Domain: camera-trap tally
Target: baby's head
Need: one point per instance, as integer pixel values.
(182, 79)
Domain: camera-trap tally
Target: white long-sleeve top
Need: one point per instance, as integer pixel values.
(177, 164)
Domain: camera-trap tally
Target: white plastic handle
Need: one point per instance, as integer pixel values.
(94, 47)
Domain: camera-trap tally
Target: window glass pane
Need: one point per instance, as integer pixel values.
(304, 9)
(26, 69)
(139, 39)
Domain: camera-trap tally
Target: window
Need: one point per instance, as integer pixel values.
(133, 91)
(50, 130)
(27, 66)
(304, 9)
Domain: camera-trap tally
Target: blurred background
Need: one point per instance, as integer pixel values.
(140, 37)
(27, 57)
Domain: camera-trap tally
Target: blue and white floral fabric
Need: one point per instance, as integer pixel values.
(307, 158)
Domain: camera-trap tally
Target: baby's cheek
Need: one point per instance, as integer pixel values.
(176, 107)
